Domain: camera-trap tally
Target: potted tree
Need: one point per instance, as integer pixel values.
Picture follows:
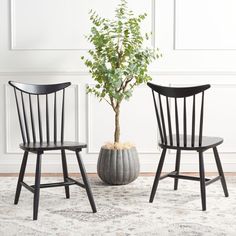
(118, 63)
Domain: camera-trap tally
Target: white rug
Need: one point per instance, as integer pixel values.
(122, 210)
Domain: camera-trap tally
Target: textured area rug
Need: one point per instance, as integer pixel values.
(122, 210)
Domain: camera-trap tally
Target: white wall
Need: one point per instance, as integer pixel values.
(41, 41)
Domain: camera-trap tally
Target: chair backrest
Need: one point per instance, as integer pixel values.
(183, 117)
(29, 102)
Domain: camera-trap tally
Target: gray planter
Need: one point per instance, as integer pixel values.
(118, 167)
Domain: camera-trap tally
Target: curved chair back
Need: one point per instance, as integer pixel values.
(29, 99)
(166, 121)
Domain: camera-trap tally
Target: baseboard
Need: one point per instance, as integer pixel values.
(95, 174)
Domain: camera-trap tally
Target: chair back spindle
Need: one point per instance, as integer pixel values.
(62, 115)
(177, 122)
(25, 118)
(163, 120)
(193, 123)
(180, 98)
(55, 117)
(201, 120)
(185, 123)
(158, 118)
(47, 120)
(169, 121)
(19, 116)
(32, 119)
(39, 120)
(35, 114)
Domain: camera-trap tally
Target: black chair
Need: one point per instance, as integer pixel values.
(184, 141)
(26, 96)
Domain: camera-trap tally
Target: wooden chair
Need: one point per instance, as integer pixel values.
(32, 130)
(183, 141)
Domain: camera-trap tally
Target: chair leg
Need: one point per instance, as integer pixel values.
(177, 164)
(65, 172)
(220, 170)
(86, 182)
(21, 177)
(37, 186)
(202, 181)
(157, 177)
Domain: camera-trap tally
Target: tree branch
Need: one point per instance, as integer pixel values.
(126, 83)
(108, 102)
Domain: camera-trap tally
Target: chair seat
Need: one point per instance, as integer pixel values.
(45, 146)
(207, 142)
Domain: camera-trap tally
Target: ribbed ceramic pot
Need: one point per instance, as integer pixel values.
(118, 167)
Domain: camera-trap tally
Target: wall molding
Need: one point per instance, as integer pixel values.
(46, 72)
(175, 48)
(12, 23)
(13, 37)
(153, 23)
(12, 27)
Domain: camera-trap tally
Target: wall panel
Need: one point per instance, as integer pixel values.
(60, 24)
(205, 24)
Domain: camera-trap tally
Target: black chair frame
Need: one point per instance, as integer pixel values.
(186, 142)
(23, 90)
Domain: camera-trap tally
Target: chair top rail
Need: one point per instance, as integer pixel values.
(39, 89)
(178, 92)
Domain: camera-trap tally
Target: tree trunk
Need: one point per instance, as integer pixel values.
(117, 124)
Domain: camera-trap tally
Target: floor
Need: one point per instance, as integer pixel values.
(122, 210)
